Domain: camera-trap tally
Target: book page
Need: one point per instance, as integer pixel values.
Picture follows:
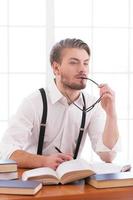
(72, 165)
(105, 168)
(38, 172)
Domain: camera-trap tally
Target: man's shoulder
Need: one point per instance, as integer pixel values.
(35, 97)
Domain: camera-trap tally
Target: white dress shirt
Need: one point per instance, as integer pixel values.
(62, 126)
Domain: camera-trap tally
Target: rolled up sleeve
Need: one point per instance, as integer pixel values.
(100, 147)
(19, 131)
(96, 128)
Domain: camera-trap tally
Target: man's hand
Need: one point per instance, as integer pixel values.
(29, 160)
(55, 160)
(108, 99)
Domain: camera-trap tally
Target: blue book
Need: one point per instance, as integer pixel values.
(19, 187)
(121, 179)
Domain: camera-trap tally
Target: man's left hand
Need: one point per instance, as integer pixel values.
(108, 99)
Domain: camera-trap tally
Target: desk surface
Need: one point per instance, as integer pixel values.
(75, 192)
(79, 191)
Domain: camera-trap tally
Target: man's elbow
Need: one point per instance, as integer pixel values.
(107, 156)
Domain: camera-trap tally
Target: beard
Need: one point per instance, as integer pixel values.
(71, 85)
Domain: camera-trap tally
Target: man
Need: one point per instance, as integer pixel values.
(70, 63)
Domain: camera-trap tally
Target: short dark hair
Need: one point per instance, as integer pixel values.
(55, 54)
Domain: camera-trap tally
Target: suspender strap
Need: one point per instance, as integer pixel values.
(43, 125)
(81, 128)
(43, 122)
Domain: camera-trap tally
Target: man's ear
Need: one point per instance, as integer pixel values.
(56, 68)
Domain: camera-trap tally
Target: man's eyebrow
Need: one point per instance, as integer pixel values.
(76, 59)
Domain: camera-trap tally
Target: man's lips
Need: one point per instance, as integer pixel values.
(82, 77)
(85, 77)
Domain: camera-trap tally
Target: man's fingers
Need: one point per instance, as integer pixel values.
(59, 160)
(107, 95)
(106, 90)
(65, 157)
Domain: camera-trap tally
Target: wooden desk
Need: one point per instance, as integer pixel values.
(75, 192)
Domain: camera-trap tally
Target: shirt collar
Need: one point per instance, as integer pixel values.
(56, 95)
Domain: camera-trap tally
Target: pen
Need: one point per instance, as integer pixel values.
(58, 149)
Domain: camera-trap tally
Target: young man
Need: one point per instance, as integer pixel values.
(65, 98)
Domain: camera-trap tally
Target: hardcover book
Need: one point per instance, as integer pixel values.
(8, 175)
(8, 165)
(121, 179)
(19, 187)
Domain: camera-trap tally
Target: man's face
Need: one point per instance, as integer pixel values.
(74, 65)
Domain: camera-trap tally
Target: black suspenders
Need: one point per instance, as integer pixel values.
(43, 122)
(43, 125)
(81, 131)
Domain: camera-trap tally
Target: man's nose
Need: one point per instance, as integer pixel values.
(83, 67)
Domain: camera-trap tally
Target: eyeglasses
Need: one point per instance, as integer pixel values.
(92, 106)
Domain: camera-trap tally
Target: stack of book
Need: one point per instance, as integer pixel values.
(8, 184)
(8, 169)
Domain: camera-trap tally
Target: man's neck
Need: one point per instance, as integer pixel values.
(69, 93)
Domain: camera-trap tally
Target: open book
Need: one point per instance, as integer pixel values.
(69, 171)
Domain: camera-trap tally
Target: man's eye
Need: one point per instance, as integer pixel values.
(73, 63)
(86, 64)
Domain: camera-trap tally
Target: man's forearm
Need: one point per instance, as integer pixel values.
(111, 133)
(110, 137)
(27, 160)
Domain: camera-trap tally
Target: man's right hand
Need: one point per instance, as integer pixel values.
(28, 160)
(54, 160)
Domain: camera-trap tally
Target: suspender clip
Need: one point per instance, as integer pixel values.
(42, 124)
